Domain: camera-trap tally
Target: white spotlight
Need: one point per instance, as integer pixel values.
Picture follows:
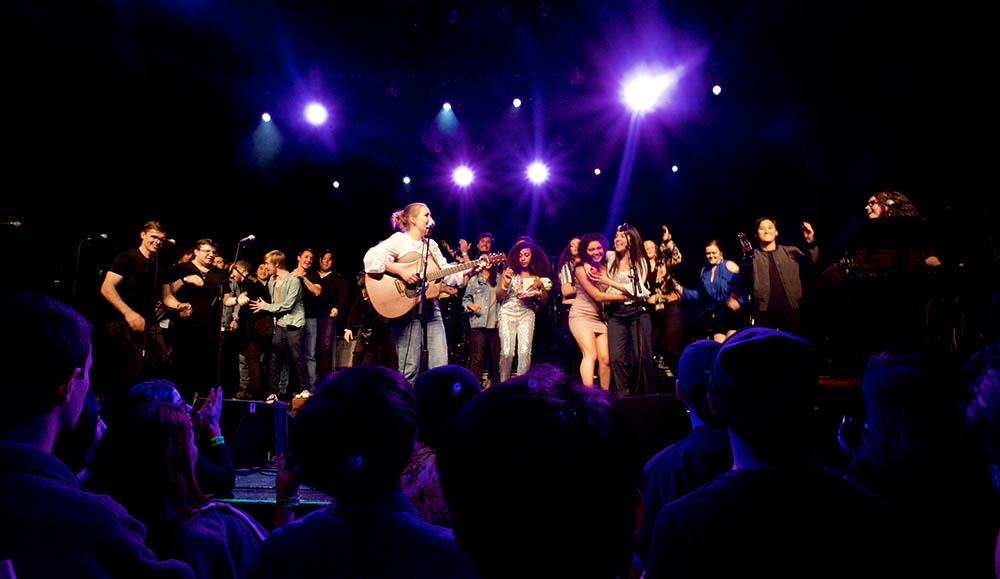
(446, 106)
(674, 168)
(266, 117)
(406, 180)
(538, 172)
(517, 103)
(316, 114)
(463, 176)
(336, 184)
(643, 93)
(597, 171)
(716, 90)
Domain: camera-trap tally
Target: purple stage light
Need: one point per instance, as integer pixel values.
(463, 176)
(537, 172)
(316, 114)
(642, 93)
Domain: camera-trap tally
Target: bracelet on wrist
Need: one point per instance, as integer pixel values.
(285, 502)
(218, 440)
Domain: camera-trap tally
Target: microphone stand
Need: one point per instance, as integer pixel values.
(423, 299)
(226, 283)
(636, 315)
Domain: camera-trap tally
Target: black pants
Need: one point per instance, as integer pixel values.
(630, 343)
(479, 340)
(326, 342)
(137, 355)
(668, 330)
(196, 357)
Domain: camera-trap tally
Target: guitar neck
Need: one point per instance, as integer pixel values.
(450, 270)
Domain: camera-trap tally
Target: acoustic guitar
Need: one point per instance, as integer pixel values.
(392, 297)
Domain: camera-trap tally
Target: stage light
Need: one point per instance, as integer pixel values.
(463, 176)
(406, 180)
(517, 103)
(446, 106)
(674, 168)
(716, 90)
(597, 171)
(316, 114)
(537, 172)
(266, 117)
(336, 184)
(643, 92)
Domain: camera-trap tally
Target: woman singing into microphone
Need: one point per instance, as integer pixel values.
(413, 223)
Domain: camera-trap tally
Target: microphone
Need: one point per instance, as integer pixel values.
(248, 239)
(430, 223)
(167, 240)
(96, 237)
(11, 223)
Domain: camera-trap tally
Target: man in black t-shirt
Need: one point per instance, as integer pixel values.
(131, 286)
(194, 288)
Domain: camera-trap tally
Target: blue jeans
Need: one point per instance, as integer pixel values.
(408, 333)
(309, 350)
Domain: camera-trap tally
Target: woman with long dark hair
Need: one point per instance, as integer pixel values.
(586, 317)
(524, 287)
(630, 330)
(146, 463)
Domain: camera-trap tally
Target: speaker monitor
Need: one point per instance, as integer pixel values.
(255, 430)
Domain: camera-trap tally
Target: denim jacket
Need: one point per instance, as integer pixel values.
(481, 293)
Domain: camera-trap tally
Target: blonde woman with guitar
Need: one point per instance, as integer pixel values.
(394, 269)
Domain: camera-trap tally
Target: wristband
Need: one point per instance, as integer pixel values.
(218, 440)
(285, 502)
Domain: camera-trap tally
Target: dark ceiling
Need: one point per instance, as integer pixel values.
(128, 111)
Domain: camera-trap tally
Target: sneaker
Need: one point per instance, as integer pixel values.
(271, 398)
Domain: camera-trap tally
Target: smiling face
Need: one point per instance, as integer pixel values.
(484, 245)
(595, 252)
(204, 255)
(873, 209)
(306, 259)
(262, 272)
(766, 232)
(621, 241)
(713, 254)
(152, 240)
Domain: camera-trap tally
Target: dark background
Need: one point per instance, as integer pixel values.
(128, 111)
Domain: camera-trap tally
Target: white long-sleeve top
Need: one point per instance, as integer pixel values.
(400, 243)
